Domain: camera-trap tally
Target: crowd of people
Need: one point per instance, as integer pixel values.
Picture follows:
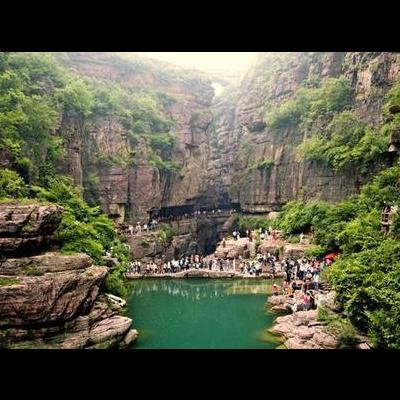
(178, 265)
(154, 223)
(195, 214)
(267, 233)
(302, 275)
(292, 270)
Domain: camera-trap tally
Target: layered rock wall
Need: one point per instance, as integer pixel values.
(51, 300)
(242, 138)
(219, 141)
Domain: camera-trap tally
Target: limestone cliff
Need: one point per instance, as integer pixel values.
(242, 138)
(130, 190)
(219, 140)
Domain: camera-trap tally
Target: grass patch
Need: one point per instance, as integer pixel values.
(144, 243)
(5, 281)
(340, 326)
(33, 270)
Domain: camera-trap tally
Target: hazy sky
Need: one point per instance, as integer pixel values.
(233, 61)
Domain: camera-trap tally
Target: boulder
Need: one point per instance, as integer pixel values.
(277, 300)
(27, 220)
(324, 339)
(233, 249)
(47, 262)
(26, 227)
(280, 308)
(296, 250)
(271, 246)
(49, 299)
(304, 332)
(304, 317)
(328, 300)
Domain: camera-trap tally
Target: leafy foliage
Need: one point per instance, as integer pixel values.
(263, 165)
(164, 165)
(366, 275)
(165, 234)
(339, 325)
(6, 281)
(345, 142)
(253, 223)
(297, 217)
(11, 184)
(311, 103)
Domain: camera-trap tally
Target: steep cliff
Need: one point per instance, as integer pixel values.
(127, 190)
(258, 165)
(139, 133)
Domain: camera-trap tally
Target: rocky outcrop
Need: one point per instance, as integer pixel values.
(52, 299)
(47, 262)
(303, 331)
(193, 235)
(26, 228)
(230, 249)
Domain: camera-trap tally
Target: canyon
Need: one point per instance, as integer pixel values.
(159, 138)
(219, 139)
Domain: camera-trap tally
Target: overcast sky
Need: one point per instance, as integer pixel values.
(234, 61)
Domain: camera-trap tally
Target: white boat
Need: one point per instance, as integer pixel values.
(116, 300)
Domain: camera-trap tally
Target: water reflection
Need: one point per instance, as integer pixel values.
(203, 289)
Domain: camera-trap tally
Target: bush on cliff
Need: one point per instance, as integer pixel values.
(297, 216)
(309, 104)
(83, 228)
(11, 184)
(368, 286)
(253, 223)
(115, 284)
(345, 142)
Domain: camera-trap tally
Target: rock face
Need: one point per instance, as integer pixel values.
(302, 331)
(219, 141)
(233, 249)
(25, 228)
(130, 191)
(52, 299)
(192, 236)
(242, 139)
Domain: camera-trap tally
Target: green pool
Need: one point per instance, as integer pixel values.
(201, 314)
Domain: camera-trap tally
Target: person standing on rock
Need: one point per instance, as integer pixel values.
(306, 302)
(312, 301)
(316, 281)
(275, 289)
(285, 287)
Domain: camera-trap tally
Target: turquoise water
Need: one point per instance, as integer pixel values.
(201, 314)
